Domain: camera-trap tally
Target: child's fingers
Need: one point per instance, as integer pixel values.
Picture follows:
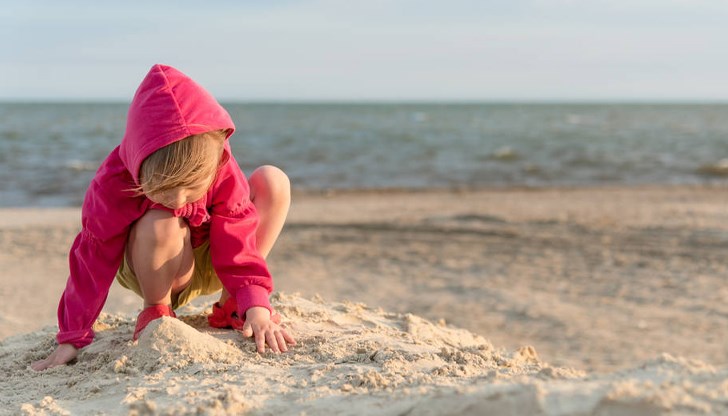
(247, 330)
(45, 364)
(281, 341)
(260, 341)
(289, 339)
(272, 341)
(61, 355)
(39, 365)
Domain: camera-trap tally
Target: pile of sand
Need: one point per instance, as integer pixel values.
(350, 359)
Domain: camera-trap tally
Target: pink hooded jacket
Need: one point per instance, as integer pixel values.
(167, 107)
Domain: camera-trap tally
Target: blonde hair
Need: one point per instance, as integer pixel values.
(184, 163)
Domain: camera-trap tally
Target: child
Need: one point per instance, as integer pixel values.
(171, 216)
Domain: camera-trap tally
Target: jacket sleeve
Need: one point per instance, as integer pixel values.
(96, 253)
(235, 257)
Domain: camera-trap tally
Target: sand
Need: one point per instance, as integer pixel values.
(560, 302)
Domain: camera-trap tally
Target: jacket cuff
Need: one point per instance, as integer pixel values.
(250, 296)
(78, 339)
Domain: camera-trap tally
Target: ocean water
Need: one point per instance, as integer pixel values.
(50, 151)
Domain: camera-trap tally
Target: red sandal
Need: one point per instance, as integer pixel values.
(226, 316)
(150, 314)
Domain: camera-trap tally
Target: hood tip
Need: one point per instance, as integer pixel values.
(161, 67)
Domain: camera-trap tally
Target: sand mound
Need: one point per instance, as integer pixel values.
(350, 360)
(169, 342)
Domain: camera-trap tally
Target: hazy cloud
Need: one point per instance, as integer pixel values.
(395, 49)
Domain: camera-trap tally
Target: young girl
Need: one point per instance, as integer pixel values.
(171, 216)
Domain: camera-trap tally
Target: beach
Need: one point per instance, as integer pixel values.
(593, 300)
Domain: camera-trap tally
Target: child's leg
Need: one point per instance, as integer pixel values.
(270, 192)
(159, 253)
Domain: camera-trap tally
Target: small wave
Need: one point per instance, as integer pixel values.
(719, 168)
(81, 166)
(505, 153)
(11, 134)
(419, 117)
(574, 119)
(532, 169)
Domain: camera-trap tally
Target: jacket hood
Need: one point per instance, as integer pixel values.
(167, 107)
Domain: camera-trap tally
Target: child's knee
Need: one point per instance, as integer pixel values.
(160, 228)
(270, 182)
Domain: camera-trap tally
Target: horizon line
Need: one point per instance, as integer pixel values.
(352, 101)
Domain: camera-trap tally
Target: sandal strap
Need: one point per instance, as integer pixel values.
(150, 314)
(226, 316)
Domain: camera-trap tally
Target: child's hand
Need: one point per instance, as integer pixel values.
(258, 323)
(62, 355)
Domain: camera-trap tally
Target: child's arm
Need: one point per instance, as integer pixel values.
(236, 259)
(94, 259)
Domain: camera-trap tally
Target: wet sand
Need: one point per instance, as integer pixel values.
(594, 280)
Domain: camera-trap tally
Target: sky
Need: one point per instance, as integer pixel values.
(391, 50)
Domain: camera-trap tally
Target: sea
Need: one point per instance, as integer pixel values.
(50, 151)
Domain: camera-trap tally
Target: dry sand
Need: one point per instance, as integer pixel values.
(584, 301)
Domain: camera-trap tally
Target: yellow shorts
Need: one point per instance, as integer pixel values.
(204, 279)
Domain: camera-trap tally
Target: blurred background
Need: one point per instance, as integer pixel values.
(379, 94)
(539, 172)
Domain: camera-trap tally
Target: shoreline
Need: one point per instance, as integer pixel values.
(491, 302)
(542, 267)
(718, 183)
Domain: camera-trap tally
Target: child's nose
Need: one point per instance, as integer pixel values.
(177, 200)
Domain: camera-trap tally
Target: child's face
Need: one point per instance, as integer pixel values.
(178, 197)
